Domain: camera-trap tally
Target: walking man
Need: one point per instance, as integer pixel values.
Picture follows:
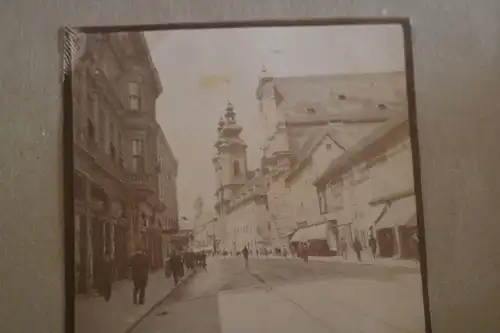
(415, 246)
(176, 266)
(357, 248)
(245, 255)
(343, 248)
(285, 252)
(107, 277)
(373, 245)
(139, 264)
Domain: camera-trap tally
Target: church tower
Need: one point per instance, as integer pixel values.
(271, 102)
(230, 161)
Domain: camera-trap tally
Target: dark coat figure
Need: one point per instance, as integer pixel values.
(107, 277)
(357, 248)
(176, 266)
(245, 255)
(203, 259)
(373, 245)
(189, 260)
(415, 246)
(305, 252)
(343, 248)
(139, 264)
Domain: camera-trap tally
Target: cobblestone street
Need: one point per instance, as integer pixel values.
(292, 296)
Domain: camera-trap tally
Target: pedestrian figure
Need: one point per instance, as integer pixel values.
(415, 241)
(175, 265)
(245, 255)
(357, 248)
(139, 264)
(107, 277)
(343, 248)
(203, 256)
(305, 252)
(373, 245)
(285, 252)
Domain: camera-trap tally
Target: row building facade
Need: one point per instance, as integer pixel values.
(116, 169)
(310, 121)
(370, 189)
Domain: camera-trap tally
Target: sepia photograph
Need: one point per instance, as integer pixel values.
(245, 179)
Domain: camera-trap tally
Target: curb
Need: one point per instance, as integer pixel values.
(147, 313)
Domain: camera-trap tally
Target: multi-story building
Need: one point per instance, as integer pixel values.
(308, 121)
(369, 189)
(168, 217)
(115, 89)
(241, 196)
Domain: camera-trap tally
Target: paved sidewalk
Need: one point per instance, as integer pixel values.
(366, 256)
(95, 315)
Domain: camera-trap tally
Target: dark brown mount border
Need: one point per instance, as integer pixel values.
(68, 166)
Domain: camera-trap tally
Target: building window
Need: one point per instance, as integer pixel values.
(328, 146)
(134, 96)
(137, 155)
(137, 147)
(342, 97)
(236, 168)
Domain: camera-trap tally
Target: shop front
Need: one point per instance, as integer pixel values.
(395, 227)
(321, 239)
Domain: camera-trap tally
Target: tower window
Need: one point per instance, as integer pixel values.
(382, 106)
(342, 97)
(328, 146)
(236, 168)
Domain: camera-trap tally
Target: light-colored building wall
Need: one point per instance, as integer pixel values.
(384, 175)
(242, 225)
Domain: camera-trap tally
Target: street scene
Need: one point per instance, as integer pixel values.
(243, 180)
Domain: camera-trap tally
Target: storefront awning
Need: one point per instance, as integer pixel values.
(318, 231)
(399, 213)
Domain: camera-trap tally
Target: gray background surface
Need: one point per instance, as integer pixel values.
(457, 63)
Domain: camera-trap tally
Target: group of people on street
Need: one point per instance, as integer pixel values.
(177, 260)
(357, 247)
(140, 266)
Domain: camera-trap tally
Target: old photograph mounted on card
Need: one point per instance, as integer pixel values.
(244, 177)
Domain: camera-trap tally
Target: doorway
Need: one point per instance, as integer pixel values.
(386, 240)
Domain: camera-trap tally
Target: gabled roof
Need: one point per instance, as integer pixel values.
(351, 157)
(310, 146)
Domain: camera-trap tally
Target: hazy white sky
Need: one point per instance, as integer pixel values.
(189, 110)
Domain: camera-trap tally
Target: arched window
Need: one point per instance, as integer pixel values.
(236, 168)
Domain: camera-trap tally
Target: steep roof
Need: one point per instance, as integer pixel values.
(365, 115)
(144, 49)
(351, 157)
(383, 87)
